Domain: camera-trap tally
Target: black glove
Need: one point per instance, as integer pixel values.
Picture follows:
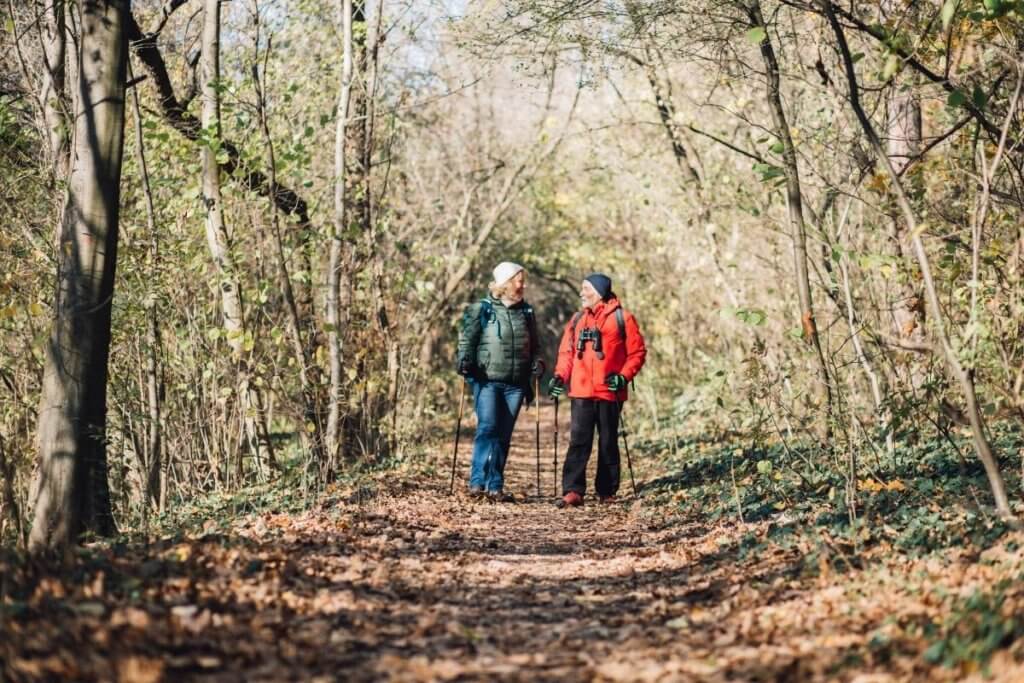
(556, 387)
(615, 381)
(538, 368)
(467, 368)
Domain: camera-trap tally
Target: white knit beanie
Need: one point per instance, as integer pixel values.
(505, 271)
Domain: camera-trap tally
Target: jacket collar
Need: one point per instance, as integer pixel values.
(498, 302)
(602, 309)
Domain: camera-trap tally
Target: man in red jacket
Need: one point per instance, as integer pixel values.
(601, 351)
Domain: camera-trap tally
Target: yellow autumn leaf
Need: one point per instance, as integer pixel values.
(869, 485)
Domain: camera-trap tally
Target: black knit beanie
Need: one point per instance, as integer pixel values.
(600, 282)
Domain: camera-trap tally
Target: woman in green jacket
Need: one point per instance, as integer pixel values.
(498, 356)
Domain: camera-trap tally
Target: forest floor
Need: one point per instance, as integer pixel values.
(406, 583)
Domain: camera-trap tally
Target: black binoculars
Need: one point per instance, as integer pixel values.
(592, 335)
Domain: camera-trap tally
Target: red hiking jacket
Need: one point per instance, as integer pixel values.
(585, 376)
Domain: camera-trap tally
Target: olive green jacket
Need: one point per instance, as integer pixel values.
(501, 341)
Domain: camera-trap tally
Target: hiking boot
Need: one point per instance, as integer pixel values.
(501, 497)
(607, 500)
(570, 500)
(476, 491)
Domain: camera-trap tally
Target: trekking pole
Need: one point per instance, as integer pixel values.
(536, 399)
(555, 452)
(458, 431)
(625, 441)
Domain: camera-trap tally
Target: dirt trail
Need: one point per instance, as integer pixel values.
(525, 591)
(416, 585)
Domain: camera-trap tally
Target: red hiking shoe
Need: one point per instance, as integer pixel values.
(570, 500)
(607, 500)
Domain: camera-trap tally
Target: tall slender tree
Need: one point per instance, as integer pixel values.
(73, 492)
(794, 204)
(334, 277)
(218, 239)
(298, 319)
(903, 125)
(153, 485)
(52, 96)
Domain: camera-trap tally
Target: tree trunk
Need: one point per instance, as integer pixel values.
(254, 418)
(338, 237)
(794, 203)
(358, 248)
(903, 122)
(903, 144)
(152, 466)
(10, 499)
(74, 494)
(53, 36)
(311, 427)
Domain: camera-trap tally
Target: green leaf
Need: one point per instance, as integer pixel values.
(948, 10)
(777, 148)
(768, 171)
(979, 98)
(757, 35)
(956, 99)
(752, 317)
(856, 57)
(892, 65)
(933, 655)
(764, 466)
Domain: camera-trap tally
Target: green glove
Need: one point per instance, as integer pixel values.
(556, 387)
(615, 381)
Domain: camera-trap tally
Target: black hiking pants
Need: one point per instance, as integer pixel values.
(587, 414)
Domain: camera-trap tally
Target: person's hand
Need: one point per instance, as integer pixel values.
(467, 368)
(615, 381)
(556, 387)
(538, 368)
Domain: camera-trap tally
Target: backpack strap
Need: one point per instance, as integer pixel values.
(575, 324)
(487, 315)
(531, 325)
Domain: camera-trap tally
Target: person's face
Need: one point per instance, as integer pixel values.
(517, 285)
(588, 295)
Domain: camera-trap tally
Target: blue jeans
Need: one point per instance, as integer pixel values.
(497, 406)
